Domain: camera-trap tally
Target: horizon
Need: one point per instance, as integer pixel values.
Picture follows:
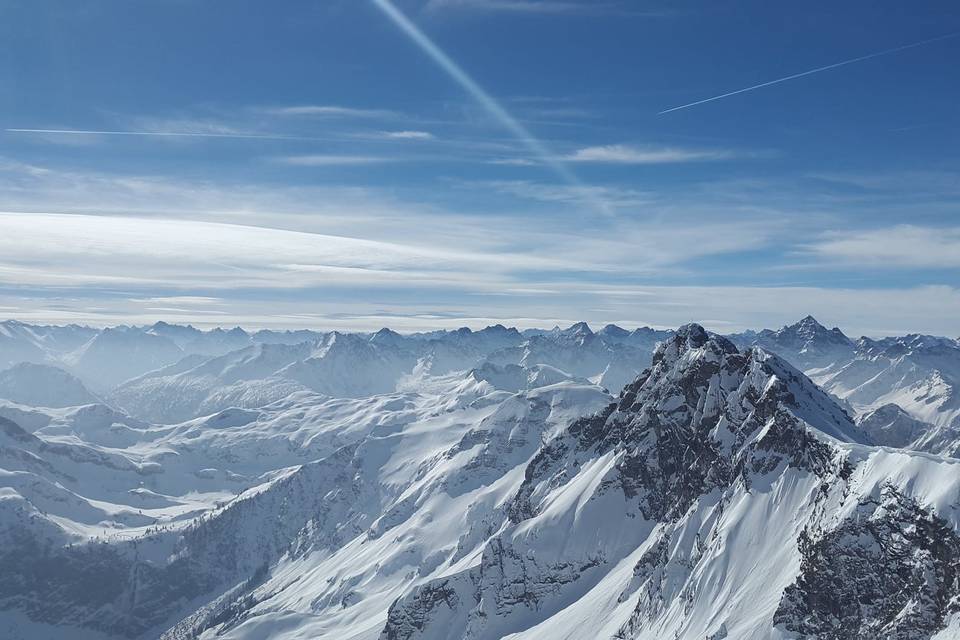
(594, 328)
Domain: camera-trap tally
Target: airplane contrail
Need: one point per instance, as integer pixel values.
(187, 134)
(812, 71)
(485, 100)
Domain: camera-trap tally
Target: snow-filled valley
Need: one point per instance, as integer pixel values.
(167, 482)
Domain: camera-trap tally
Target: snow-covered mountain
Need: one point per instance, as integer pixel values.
(579, 351)
(919, 375)
(22, 342)
(890, 425)
(198, 385)
(721, 494)
(191, 340)
(156, 552)
(43, 385)
(340, 365)
(114, 355)
(807, 344)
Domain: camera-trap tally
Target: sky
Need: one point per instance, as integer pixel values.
(426, 164)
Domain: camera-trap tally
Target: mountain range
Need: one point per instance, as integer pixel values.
(168, 482)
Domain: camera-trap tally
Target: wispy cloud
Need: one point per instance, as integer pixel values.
(331, 111)
(162, 134)
(626, 154)
(513, 162)
(84, 250)
(897, 246)
(615, 197)
(187, 301)
(332, 160)
(407, 135)
(307, 252)
(69, 248)
(189, 124)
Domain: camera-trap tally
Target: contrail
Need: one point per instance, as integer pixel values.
(485, 100)
(812, 71)
(188, 134)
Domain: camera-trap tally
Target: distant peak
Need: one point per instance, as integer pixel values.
(385, 336)
(808, 323)
(502, 330)
(579, 328)
(809, 329)
(613, 330)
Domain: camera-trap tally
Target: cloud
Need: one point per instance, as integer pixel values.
(331, 111)
(188, 301)
(193, 125)
(875, 312)
(335, 256)
(626, 154)
(616, 197)
(83, 250)
(327, 160)
(407, 135)
(904, 246)
(513, 162)
(156, 133)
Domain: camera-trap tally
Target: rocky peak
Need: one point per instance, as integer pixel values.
(691, 342)
(577, 330)
(499, 329)
(889, 425)
(387, 337)
(613, 331)
(808, 330)
(703, 415)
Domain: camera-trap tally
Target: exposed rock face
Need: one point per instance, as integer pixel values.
(891, 426)
(701, 416)
(891, 570)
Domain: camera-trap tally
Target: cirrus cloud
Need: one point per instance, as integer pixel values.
(627, 154)
(896, 246)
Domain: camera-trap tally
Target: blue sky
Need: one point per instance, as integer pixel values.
(312, 164)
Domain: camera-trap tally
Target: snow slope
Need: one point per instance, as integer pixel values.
(42, 385)
(918, 374)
